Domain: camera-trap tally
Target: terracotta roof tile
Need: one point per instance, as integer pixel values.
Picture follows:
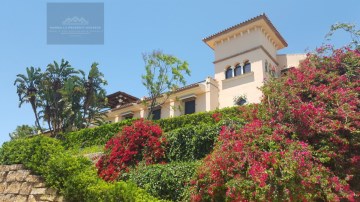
(262, 16)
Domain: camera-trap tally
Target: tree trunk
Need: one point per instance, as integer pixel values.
(33, 106)
(152, 105)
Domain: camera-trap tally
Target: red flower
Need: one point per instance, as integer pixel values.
(141, 141)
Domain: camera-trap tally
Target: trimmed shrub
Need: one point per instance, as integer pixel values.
(62, 168)
(168, 181)
(33, 152)
(169, 124)
(102, 134)
(191, 142)
(75, 177)
(94, 136)
(141, 141)
(117, 191)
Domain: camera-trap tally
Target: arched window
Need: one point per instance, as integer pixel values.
(237, 70)
(247, 68)
(229, 73)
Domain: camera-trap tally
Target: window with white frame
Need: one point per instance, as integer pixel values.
(237, 70)
(247, 68)
(189, 106)
(229, 73)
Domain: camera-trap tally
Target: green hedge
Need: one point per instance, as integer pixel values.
(75, 177)
(169, 124)
(192, 142)
(93, 136)
(33, 152)
(100, 135)
(168, 181)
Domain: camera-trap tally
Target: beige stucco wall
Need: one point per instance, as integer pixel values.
(176, 108)
(241, 43)
(165, 110)
(246, 84)
(212, 94)
(289, 60)
(252, 56)
(116, 116)
(200, 103)
(268, 44)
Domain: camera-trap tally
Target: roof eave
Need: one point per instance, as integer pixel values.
(211, 38)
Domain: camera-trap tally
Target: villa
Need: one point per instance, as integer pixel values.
(245, 56)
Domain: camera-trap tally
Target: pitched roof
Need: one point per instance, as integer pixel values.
(209, 40)
(120, 98)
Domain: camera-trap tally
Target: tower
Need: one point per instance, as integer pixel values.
(245, 55)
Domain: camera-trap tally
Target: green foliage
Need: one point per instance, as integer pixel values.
(118, 191)
(350, 29)
(168, 181)
(192, 142)
(86, 150)
(101, 134)
(94, 136)
(164, 75)
(173, 123)
(27, 87)
(169, 124)
(75, 177)
(23, 131)
(62, 167)
(62, 96)
(258, 163)
(34, 152)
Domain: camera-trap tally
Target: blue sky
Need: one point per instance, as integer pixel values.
(134, 27)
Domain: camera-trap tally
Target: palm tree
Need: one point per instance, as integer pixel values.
(95, 96)
(27, 90)
(57, 111)
(63, 97)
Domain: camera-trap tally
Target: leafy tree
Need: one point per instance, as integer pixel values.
(23, 131)
(64, 97)
(28, 90)
(348, 28)
(164, 74)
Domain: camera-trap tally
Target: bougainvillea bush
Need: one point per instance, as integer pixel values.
(258, 163)
(142, 141)
(301, 143)
(319, 103)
